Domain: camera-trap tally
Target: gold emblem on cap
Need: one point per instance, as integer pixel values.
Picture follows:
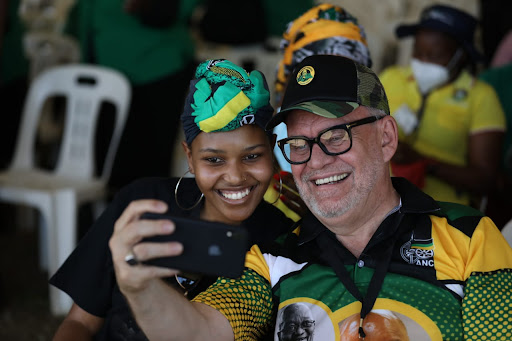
(305, 75)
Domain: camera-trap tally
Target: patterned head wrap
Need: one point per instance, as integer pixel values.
(224, 97)
(324, 29)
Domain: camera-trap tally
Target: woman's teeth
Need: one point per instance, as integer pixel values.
(235, 195)
(331, 179)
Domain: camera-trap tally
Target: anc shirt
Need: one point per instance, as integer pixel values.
(88, 277)
(451, 114)
(449, 278)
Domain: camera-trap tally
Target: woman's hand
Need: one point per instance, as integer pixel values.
(129, 230)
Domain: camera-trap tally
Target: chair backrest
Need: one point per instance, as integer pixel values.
(85, 88)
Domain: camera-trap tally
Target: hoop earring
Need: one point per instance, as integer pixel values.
(176, 195)
(280, 188)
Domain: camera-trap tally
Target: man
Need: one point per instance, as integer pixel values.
(370, 242)
(296, 323)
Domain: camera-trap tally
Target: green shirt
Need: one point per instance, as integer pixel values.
(13, 63)
(499, 78)
(116, 39)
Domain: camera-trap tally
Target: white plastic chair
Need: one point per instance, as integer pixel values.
(57, 194)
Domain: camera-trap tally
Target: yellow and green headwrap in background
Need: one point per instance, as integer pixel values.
(324, 29)
(224, 97)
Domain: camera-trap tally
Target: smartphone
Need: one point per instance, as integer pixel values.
(209, 248)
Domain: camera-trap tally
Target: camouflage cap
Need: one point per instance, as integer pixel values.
(331, 86)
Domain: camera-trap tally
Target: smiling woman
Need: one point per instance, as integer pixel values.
(230, 155)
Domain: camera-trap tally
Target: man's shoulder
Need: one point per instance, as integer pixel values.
(462, 217)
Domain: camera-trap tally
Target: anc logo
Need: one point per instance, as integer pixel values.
(305, 75)
(247, 119)
(418, 252)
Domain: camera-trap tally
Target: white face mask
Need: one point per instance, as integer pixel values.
(429, 75)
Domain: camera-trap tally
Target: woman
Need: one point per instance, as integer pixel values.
(450, 124)
(230, 155)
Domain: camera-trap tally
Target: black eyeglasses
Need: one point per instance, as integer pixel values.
(333, 141)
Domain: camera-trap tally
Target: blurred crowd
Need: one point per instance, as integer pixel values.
(154, 43)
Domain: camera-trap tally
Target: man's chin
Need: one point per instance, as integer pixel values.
(328, 210)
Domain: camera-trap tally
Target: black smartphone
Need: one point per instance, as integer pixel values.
(209, 248)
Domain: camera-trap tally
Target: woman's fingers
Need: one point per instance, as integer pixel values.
(129, 230)
(148, 250)
(138, 207)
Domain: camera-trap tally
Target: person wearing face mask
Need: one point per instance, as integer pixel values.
(451, 125)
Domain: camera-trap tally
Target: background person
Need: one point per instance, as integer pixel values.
(499, 205)
(150, 42)
(450, 124)
(232, 164)
(323, 29)
(370, 242)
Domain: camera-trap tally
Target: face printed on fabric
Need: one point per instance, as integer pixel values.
(435, 55)
(233, 170)
(296, 323)
(333, 185)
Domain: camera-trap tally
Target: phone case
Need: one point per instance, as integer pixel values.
(209, 248)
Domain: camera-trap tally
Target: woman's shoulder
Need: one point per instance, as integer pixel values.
(267, 223)
(160, 189)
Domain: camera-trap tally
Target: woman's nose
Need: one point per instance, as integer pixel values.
(236, 174)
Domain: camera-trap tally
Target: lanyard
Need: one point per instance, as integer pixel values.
(333, 255)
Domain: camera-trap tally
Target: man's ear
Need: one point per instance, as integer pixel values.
(389, 138)
(188, 153)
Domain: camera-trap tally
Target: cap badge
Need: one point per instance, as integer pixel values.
(305, 75)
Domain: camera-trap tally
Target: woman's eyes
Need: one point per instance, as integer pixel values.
(252, 156)
(217, 160)
(213, 159)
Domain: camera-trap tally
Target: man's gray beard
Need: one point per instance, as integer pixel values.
(344, 205)
(321, 211)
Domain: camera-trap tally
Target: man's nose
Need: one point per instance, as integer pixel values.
(318, 157)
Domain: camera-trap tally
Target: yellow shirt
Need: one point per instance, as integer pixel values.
(451, 114)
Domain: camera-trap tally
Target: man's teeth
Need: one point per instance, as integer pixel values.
(331, 179)
(236, 195)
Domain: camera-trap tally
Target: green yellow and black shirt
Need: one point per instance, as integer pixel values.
(448, 278)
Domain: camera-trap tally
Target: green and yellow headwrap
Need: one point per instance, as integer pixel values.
(224, 97)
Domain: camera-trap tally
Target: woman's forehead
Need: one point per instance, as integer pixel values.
(435, 38)
(242, 138)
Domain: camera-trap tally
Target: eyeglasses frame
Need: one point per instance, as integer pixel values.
(311, 141)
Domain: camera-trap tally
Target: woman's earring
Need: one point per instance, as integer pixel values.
(176, 195)
(280, 188)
